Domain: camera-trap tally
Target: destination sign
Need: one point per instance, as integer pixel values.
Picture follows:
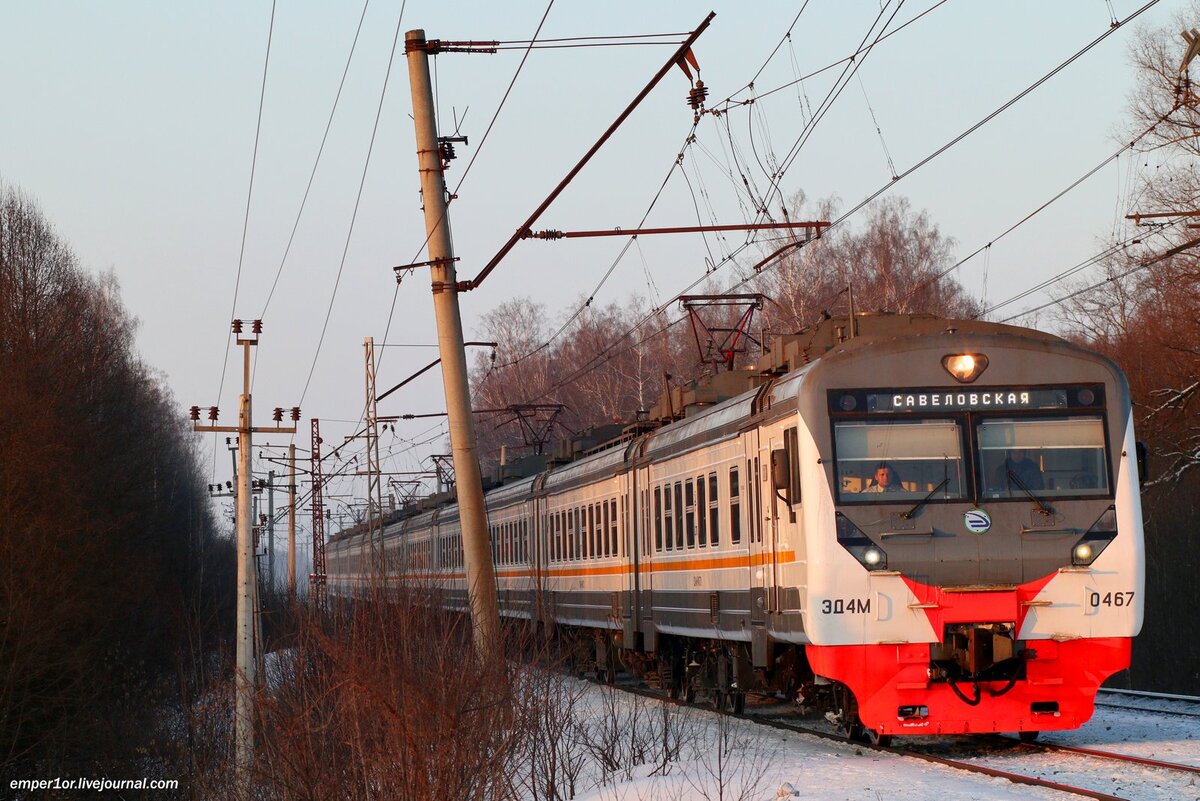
(924, 400)
(960, 400)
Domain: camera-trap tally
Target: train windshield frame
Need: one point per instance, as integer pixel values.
(891, 460)
(1053, 456)
(970, 445)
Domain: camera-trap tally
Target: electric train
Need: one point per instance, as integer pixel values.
(925, 525)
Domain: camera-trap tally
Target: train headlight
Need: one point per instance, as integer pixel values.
(965, 367)
(1097, 538)
(860, 546)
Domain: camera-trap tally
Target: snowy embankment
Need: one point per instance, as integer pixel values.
(719, 757)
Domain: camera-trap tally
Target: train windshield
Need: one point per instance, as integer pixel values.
(892, 460)
(1047, 457)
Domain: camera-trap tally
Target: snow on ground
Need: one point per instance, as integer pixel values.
(729, 758)
(1165, 737)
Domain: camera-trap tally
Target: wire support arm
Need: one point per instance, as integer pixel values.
(675, 58)
(812, 229)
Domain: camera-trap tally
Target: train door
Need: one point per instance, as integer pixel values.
(760, 573)
(627, 548)
(769, 513)
(641, 576)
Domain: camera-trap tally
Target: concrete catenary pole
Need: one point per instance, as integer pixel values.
(246, 678)
(271, 529)
(477, 556)
(292, 521)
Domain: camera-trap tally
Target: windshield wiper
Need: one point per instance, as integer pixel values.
(1045, 510)
(909, 514)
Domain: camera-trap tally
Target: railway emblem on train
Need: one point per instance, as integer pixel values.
(977, 521)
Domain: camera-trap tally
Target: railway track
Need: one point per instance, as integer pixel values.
(1011, 745)
(1102, 754)
(1186, 706)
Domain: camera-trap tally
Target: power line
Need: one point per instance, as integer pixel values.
(316, 162)
(729, 102)
(246, 218)
(357, 200)
(1081, 179)
(1112, 278)
(772, 259)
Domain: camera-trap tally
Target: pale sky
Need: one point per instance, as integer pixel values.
(133, 125)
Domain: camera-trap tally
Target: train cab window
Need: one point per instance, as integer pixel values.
(714, 509)
(735, 507)
(1047, 457)
(701, 511)
(658, 525)
(689, 495)
(893, 460)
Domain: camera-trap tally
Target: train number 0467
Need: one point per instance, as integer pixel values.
(1095, 599)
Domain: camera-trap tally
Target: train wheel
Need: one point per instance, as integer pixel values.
(1028, 736)
(875, 738)
(847, 710)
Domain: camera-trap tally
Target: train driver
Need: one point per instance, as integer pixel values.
(1026, 471)
(886, 479)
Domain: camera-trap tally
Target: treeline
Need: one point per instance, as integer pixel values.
(1144, 311)
(112, 582)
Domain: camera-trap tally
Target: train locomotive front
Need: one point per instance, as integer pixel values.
(973, 530)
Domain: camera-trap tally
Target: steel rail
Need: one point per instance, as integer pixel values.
(1074, 749)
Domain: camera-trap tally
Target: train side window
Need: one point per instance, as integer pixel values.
(612, 527)
(658, 528)
(735, 507)
(714, 511)
(702, 511)
(689, 495)
(580, 533)
(601, 515)
(669, 516)
(678, 516)
(791, 444)
(604, 520)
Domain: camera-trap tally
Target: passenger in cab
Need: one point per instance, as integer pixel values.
(1025, 470)
(886, 479)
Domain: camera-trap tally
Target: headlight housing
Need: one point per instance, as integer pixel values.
(965, 367)
(860, 546)
(1097, 538)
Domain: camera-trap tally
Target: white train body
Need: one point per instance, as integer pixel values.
(753, 539)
